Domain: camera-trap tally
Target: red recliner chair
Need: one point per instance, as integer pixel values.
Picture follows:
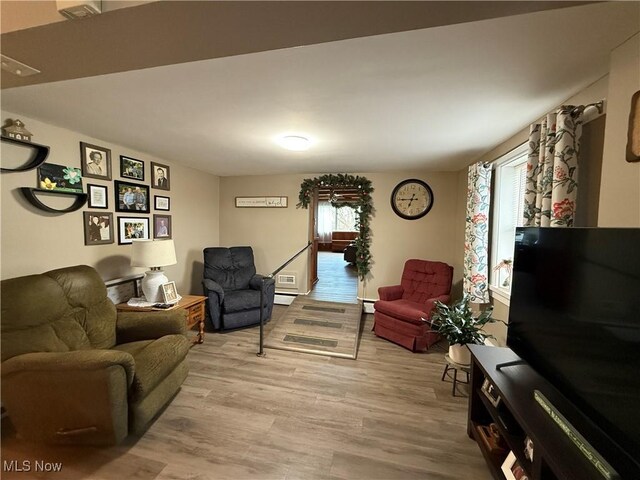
(401, 309)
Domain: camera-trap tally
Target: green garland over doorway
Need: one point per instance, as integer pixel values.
(363, 207)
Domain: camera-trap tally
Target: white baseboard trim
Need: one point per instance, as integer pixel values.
(490, 343)
(284, 299)
(367, 304)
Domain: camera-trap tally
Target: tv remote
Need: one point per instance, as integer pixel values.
(163, 305)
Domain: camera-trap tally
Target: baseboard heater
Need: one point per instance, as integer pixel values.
(367, 304)
(286, 298)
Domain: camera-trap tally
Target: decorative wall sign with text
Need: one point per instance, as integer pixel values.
(261, 202)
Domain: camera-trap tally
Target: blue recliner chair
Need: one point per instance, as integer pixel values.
(232, 288)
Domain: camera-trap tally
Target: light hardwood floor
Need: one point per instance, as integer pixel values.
(289, 416)
(337, 280)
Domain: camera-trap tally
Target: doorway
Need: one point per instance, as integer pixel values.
(333, 232)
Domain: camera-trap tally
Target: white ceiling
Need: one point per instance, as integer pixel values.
(430, 99)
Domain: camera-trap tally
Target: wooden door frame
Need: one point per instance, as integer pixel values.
(312, 268)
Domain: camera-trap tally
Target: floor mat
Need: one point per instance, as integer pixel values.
(321, 328)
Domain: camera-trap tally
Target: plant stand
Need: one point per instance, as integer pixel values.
(453, 366)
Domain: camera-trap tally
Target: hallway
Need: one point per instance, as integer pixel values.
(337, 280)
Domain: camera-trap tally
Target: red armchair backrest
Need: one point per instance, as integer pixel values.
(423, 280)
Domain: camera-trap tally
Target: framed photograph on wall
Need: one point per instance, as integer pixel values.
(95, 161)
(132, 227)
(131, 197)
(162, 203)
(131, 168)
(160, 176)
(161, 226)
(98, 228)
(98, 197)
(169, 292)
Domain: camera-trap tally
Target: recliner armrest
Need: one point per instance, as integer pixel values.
(256, 281)
(393, 292)
(76, 360)
(69, 397)
(431, 303)
(211, 286)
(135, 326)
(441, 298)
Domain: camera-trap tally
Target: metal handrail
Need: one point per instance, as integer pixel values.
(270, 276)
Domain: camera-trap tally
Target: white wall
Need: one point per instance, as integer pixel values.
(275, 234)
(620, 187)
(34, 241)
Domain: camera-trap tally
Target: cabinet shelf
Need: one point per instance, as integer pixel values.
(40, 155)
(30, 195)
(555, 456)
(493, 463)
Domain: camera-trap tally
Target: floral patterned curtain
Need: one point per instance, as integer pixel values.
(476, 238)
(552, 169)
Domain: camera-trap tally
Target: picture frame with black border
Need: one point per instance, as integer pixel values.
(131, 197)
(162, 203)
(98, 196)
(169, 292)
(131, 168)
(491, 393)
(160, 176)
(98, 228)
(130, 228)
(161, 226)
(95, 161)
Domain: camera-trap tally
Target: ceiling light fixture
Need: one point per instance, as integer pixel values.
(296, 143)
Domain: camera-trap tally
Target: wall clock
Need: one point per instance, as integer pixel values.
(412, 199)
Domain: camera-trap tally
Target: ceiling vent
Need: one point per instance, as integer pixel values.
(73, 9)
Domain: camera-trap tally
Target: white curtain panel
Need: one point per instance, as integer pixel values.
(552, 169)
(326, 215)
(476, 240)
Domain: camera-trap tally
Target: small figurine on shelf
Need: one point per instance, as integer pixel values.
(16, 130)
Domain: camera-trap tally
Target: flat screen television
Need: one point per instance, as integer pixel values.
(574, 317)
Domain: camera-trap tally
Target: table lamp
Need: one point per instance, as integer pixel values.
(154, 254)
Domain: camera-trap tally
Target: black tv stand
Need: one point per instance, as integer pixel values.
(512, 363)
(518, 416)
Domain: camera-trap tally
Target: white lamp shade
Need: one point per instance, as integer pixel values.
(153, 253)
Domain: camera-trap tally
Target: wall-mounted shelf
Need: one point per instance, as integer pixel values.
(41, 153)
(30, 195)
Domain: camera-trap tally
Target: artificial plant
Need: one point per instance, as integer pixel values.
(458, 324)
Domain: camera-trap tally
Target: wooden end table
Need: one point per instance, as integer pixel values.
(193, 304)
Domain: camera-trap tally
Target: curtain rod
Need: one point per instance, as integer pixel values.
(599, 105)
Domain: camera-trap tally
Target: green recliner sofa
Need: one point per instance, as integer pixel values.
(76, 371)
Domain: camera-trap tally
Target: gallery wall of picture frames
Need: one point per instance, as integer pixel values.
(131, 195)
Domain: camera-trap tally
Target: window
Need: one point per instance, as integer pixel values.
(345, 219)
(332, 219)
(508, 208)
